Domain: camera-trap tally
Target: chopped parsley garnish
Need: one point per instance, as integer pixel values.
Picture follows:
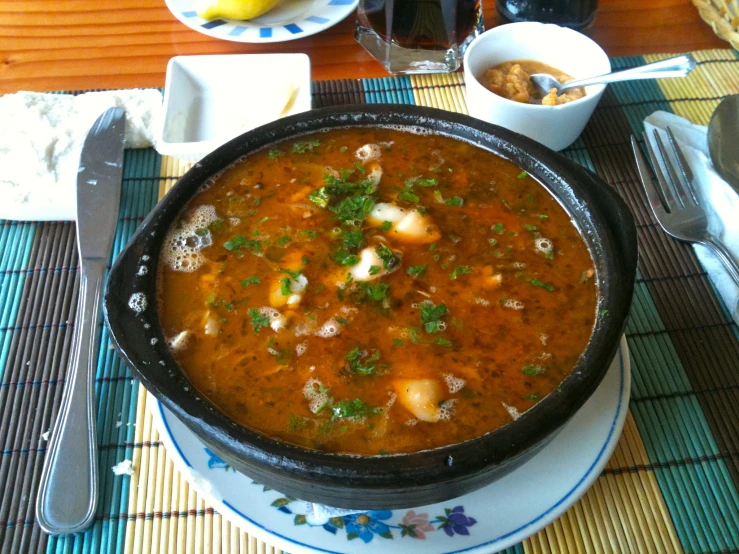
(282, 241)
(376, 292)
(389, 259)
(432, 247)
(385, 227)
(276, 153)
(532, 370)
(361, 362)
(343, 149)
(454, 201)
(541, 216)
(604, 312)
(239, 242)
(359, 167)
(522, 175)
(460, 270)
(258, 320)
(431, 316)
(253, 280)
(309, 233)
(438, 197)
(443, 342)
(530, 227)
(408, 196)
(499, 228)
(353, 239)
(529, 199)
(342, 321)
(303, 146)
(353, 409)
(354, 209)
(265, 218)
(545, 286)
(532, 396)
(409, 183)
(397, 342)
(374, 269)
(344, 258)
(285, 286)
(492, 242)
(416, 270)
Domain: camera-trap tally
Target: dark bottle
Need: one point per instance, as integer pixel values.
(575, 14)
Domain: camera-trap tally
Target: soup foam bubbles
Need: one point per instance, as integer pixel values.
(182, 245)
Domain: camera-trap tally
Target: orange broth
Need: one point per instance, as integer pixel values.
(318, 306)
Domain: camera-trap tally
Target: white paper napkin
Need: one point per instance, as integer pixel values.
(41, 140)
(720, 200)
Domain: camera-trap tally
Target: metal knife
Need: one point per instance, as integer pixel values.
(68, 491)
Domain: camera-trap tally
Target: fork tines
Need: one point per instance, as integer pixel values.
(673, 172)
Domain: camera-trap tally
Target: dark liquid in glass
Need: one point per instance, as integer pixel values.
(421, 24)
(575, 14)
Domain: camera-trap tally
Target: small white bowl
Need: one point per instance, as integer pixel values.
(569, 51)
(208, 100)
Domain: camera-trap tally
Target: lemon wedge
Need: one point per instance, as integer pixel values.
(233, 9)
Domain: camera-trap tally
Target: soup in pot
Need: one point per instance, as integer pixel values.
(374, 291)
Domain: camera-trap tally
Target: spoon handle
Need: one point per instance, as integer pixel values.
(679, 66)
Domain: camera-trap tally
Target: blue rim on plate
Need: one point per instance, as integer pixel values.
(290, 20)
(490, 519)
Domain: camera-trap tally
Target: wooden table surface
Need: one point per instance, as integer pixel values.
(88, 44)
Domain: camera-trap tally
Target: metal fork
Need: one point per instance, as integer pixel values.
(674, 201)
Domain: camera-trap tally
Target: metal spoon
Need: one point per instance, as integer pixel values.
(723, 138)
(679, 66)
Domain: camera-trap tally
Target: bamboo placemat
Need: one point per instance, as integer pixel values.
(671, 486)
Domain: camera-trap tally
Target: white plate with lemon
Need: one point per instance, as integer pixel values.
(260, 20)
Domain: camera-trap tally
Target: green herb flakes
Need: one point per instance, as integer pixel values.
(309, 233)
(253, 280)
(522, 175)
(460, 270)
(397, 342)
(408, 196)
(498, 228)
(492, 242)
(416, 270)
(529, 227)
(275, 153)
(303, 146)
(346, 259)
(374, 269)
(353, 239)
(389, 259)
(258, 320)
(541, 284)
(455, 201)
(431, 316)
(533, 370)
(353, 409)
(361, 362)
(532, 396)
(385, 227)
(443, 342)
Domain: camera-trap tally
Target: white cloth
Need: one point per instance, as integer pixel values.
(720, 200)
(41, 140)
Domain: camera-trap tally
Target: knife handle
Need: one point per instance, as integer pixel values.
(68, 491)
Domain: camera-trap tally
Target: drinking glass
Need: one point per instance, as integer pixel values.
(418, 36)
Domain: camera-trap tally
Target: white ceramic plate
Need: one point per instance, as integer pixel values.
(290, 20)
(490, 519)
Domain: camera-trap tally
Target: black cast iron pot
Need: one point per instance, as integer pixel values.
(395, 481)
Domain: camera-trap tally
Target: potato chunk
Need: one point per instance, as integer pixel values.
(421, 397)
